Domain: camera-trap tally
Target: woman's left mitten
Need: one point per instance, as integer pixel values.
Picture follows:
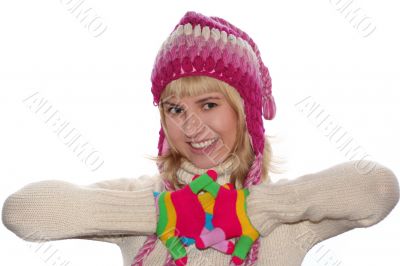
(230, 220)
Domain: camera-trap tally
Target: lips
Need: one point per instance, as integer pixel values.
(202, 142)
(204, 150)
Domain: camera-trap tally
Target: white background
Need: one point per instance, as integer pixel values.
(101, 85)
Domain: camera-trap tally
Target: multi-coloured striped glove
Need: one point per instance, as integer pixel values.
(180, 214)
(229, 220)
(207, 202)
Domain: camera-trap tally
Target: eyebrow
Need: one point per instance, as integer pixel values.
(198, 101)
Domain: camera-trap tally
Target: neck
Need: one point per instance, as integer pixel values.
(187, 170)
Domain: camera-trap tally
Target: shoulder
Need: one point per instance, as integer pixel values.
(131, 183)
(156, 181)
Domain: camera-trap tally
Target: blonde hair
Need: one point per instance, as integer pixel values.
(198, 85)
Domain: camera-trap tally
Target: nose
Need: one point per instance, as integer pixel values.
(192, 126)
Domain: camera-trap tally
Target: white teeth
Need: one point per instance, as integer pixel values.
(203, 144)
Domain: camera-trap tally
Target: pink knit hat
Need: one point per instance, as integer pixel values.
(213, 47)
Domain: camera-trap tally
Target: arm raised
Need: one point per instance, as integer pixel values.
(104, 211)
(346, 194)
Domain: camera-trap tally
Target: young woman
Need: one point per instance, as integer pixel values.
(213, 91)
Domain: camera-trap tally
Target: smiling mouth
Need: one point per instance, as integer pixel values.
(202, 144)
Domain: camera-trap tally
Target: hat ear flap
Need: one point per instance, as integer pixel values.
(163, 146)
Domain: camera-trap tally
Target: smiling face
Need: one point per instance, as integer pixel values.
(202, 128)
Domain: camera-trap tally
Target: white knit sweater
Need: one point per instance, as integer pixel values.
(291, 215)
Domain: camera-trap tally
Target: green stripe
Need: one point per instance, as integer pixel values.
(242, 247)
(246, 192)
(176, 247)
(213, 189)
(163, 215)
(200, 182)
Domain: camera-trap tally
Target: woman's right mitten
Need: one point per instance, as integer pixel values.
(180, 214)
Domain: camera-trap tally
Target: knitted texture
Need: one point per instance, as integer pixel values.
(208, 202)
(213, 47)
(292, 216)
(230, 220)
(181, 214)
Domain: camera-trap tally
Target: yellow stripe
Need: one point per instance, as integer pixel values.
(207, 202)
(247, 228)
(171, 216)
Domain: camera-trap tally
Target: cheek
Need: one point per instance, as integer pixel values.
(231, 119)
(226, 123)
(173, 129)
(232, 123)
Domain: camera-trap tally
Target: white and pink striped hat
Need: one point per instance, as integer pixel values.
(211, 46)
